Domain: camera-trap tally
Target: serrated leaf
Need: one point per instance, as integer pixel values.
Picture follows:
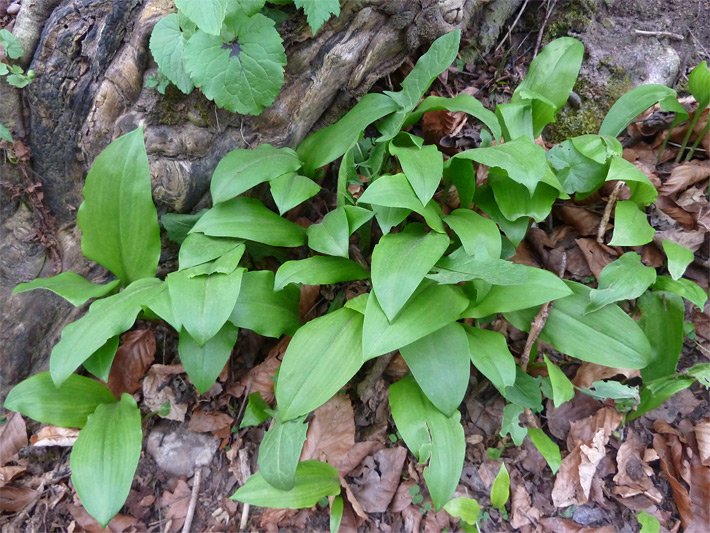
(331, 235)
(69, 285)
(662, 317)
(686, 288)
(632, 104)
(431, 308)
(440, 363)
(118, 220)
(290, 190)
(500, 491)
(264, 310)
(279, 452)
(490, 355)
(679, 257)
(208, 15)
(547, 448)
(105, 457)
(625, 278)
(479, 236)
(423, 168)
(247, 218)
(203, 363)
(313, 481)
(607, 337)
(106, 318)
(320, 359)
(242, 169)
(510, 424)
(167, 44)
(562, 388)
(242, 77)
(68, 405)
(199, 248)
(318, 270)
(631, 227)
(203, 304)
(318, 11)
(399, 263)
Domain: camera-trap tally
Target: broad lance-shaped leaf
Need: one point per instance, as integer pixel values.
(100, 362)
(479, 235)
(314, 481)
(631, 227)
(643, 192)
(431, 435)
(547, 448)
(167, 44)
(279, 452)
(105, 457)
(203, 363)
(290, 190)
(71, 286)
(686, 288)
(515, 201)
(68, 405)
(264, 310)
(203, 304)
(331, 235)
(490, 355)
(431, 308)
(399, 263)
(606, 337)
(247, 218)
(440, 362)
(500, 490)
(318, 270)
(198, 248)
(321, 358)
(631, 105)
(245, 75)
(662, 317)
(118, 220)
(208, 15)
(423, 167)
(241, 169)
(458, 266)
(562, 387)
(623, 279)
(106, 318)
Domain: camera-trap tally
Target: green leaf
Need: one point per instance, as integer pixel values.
(262, 309)
(552, 74)
(99, 364)
(623, 279)
(177, 225)
(431, 308)
(547, 448)
(516, 119)
(247, 218)
(105, 457)
(314, 480)
(11, 44)
(320, 359)
(336, 514)
(624, 396)
(429, 434)
(203, 304)
(460, 103)
(331, 235)
(5, 134)
(662, 316)
(526, 392)
(256, 412)
(608, 337)
(71, 286)
(208, 15)
(689, 290)
(598, 148)
(655, 393)
(440, 362)
(399, 263)
(279, 452)
(106, 318)
(701, 373)
(699, 84)
(631, 228)
(576, 172)
(514, 200)
(118, 220)
(632, 104)
(467, 510)
(510, 425)
(290, 190)
(514, 230)
(458, 266)
(490, 355)
(679, 257)
(68, 405)
(244, 76)
(199, 248)
(643, 192)
(479, 236)
(242, 169)
(204, 362)
(648, 523)
(562, 388)
(167, 44)
(318, 11)
(161, 305)
(318, 270)
(423, 168)
(462, 174)
(328, 144)
(500, 491)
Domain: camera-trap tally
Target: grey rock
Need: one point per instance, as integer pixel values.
(178, 451)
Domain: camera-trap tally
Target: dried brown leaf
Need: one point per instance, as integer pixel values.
(522, 511)
(133, 359)
(375, 482)
(8, 473)
(157, 391)
(565, 525)
(597, 255)
(605, 420)
(633, 476)
(13, 437)
(118, 523)
(202, 422)
(671, 208)
(261, 378)
(175, 504)
(439, 124)
(702, 437)
(54, 436)
(560, 418)
(584, 221)
(678, 490)
(588, 373)
(685, 175)
(14, 499)
(700, 498)
(692, 240)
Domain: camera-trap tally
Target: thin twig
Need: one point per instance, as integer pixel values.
(193, 500)
(669, 34)
(512, 26)
(548, 11)
(245, 517)
(607, 211)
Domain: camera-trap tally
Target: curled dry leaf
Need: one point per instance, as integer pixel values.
(560, 418)
(13, 437)
(681, 497)
(133, 359)
(175, 504)
(376, 481)
(700, 498)
(671, 208)
(522, 511)
(605, 420)
(584, 221)
(685, 175)
(588, 373)
(633, 476)
(597, 255)
(54, 436)
(8, 473)
(159, 396)
(702, 437)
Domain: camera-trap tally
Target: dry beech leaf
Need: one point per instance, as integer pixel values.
(375, 482)
(685, 175)
(669, 206)
(158, 393)
(679, 491)
(692, 240)
(700, 498)
(118, 523)
(215, 423)
(522, 511)
(633, 476)
(584, 221)
(54, 436)
(436, 522)
(588, 373)
(176, 503)
(133, 359)
(352, 499)
(693, 199)
(439, 124)
(702, 437)
(8, 473)
(560, 418)
(261, 378)
(14, 499)
(605, 420)
(597, 255)
(13, 437)
(565, 525)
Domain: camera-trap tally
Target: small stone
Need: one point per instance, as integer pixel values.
(178, 451)
(13, 9)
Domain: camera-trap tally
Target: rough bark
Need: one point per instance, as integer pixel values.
(91, 60)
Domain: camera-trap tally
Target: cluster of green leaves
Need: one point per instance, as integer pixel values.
(14, 74)
(229, 49)
(428, 272)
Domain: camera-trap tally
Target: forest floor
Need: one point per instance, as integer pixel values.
(659, 463)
